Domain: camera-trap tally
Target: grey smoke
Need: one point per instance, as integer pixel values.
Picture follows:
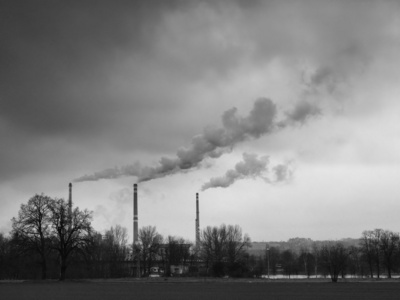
(322, 76)
(302, 111)
(212, 143)
(282, 172)
(250, 167)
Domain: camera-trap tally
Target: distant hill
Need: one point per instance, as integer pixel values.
(294, 244)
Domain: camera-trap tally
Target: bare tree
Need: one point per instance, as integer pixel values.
(212, 248)
(354, 260)
(368, 249)
(4, 256)
(371, 240)
(316, 254)
(71, 231)
(149, 242)
(120, 235)
(236, 243)
(376, 249)
(117, 240)
(115, 251)
(236, 246)
(223, 247)
(95, 255)
(333, 256)
(272, 256)
(306, 259)
(388, 246)
(32, 227)
(288, 259)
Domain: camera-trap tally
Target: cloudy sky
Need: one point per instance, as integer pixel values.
(283, 115)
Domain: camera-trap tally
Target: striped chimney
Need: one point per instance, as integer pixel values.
(70, 200)
(197, 221)
(70, 207)
(135, 214)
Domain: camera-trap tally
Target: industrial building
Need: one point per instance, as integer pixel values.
(162, 264)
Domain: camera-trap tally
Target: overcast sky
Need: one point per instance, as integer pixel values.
(283, 115)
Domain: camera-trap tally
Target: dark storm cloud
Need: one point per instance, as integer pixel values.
(56, 59)
(78, 73)
(59, 59)
(105, 74)
(59, 80)
(90, 69)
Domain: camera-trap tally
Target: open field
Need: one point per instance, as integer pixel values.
(198, 289)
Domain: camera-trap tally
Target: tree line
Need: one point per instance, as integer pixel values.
(376, 253)
(50, 236)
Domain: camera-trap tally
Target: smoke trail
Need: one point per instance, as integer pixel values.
(282, 172)
(250, 167)
(213, 142)
(302, 111)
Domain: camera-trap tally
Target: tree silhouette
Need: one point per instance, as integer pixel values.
(149, 244)
(333, 256)
(223, 248)
(32, 228)
(71, 231)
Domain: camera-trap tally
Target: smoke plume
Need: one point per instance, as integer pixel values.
(212, 143)
(250, 167)
(302, 111)
(299, 114)
(282, 172)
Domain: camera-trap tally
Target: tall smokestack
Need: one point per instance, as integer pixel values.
(70, 199)
(70, 206)
(197, 221)
(135, 215)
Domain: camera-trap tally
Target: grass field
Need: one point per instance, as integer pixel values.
(198, 289)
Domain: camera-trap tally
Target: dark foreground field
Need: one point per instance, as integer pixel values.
(165, 290)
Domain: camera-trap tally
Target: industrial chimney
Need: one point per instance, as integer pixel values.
(135, 215)
(70, 200)
(70, 207)
(197, 222)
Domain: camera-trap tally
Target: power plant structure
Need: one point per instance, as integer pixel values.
(136, 264)
(135, 248)
(135, 215)
(136, 218)
(70, 199)
(70, 206)
(197, 229)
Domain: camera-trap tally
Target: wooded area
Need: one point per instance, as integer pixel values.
(51, 239)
